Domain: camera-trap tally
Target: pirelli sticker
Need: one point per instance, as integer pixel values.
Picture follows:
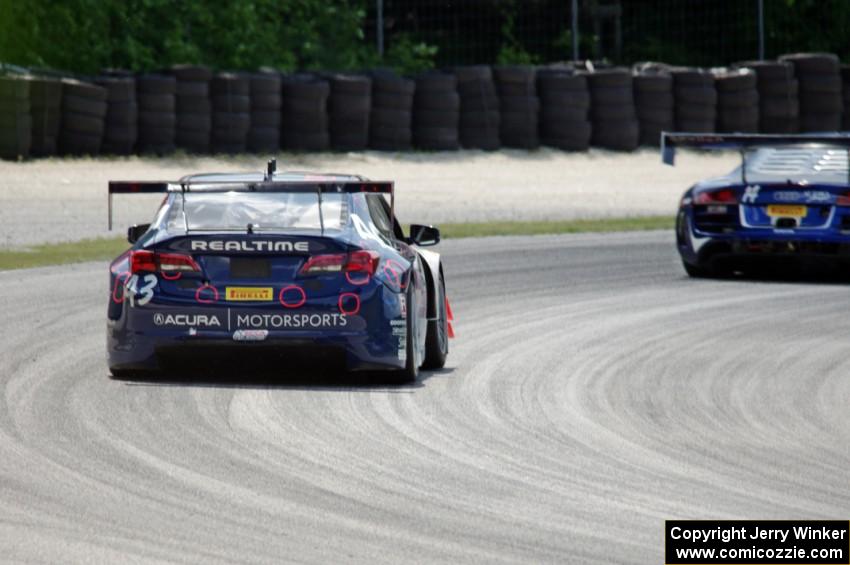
(249, 293)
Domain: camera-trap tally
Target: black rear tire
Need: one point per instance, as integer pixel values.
(131, 374)
(699, 271)
(437, 338)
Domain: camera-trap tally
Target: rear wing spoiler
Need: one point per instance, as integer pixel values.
(742, 142)
(317, 187)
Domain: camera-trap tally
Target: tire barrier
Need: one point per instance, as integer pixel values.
(779, 106)
(391, 118)
(564, 109)
(82, 122)
(654, 102)
(695, 100)
(194, 108)
(821, 101)
(612, 109)
(737, 101)
(264, 130)
(120, 131)
(45, 112)
(436, 112)
(15, 120)
(845, 94)
(304, 113)
(479, 108)
(518, 105)
(566, 106)
(155, 96)
(231, 112)
(349, 106)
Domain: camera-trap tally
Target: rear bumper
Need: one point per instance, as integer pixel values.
(697, 246)
(158, 335)
(744, 251)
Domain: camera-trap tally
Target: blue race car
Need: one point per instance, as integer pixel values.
(789, 200)
(278, 265)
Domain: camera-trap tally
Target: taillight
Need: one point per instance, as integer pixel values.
(361, 261)
(843, 199)
(177, 263)
(722, 196)
(143, 261)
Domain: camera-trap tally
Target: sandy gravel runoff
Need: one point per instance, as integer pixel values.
(53, 200)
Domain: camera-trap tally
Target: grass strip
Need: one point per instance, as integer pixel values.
(106, 249)
(62, 253)
(484, 229)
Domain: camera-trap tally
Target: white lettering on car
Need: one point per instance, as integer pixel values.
(751, 193)
(161, 319)
(277, 321)
(250, 245)
(140, 294)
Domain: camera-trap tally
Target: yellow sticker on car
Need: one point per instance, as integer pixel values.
(249, 293)
(786, 211)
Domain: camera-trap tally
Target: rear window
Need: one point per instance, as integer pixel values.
(265, 211)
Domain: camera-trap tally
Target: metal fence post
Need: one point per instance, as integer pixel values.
(379, 24)
(761, 29)
(574, 13)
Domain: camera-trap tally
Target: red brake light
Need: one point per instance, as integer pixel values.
(722, 196)
(361, 261)
(143, 261)
(843, 199)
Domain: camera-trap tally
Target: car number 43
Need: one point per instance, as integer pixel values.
(140, 289)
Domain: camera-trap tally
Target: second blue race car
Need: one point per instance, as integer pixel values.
(789, 200)
(281, 265)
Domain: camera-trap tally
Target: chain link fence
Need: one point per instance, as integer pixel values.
(692, 32)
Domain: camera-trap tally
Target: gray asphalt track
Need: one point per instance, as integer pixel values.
(593, 392)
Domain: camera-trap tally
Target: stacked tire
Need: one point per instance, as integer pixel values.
(155, 95)
(737, 101)
(479, 108)
(696, 100)
(779, 106)
(264, 132)
(564, 109)
(45, 111)
(612, 109)
(819, 78)
(518, 105)
(194, 108)
(304, 113)
(120, 131)
(349, 105)
(391, 118)
(655, 105)
(15, 121)
(231, 112)
(83, 112)
(436, 112)
(845, 94)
